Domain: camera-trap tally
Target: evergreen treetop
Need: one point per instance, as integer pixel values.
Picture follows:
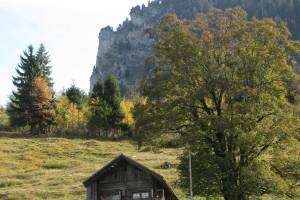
(32, 65)
(112, 96)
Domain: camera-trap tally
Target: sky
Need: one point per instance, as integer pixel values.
(68, 28)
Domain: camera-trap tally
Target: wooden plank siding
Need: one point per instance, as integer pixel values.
(128, 180)
(123, 178)
(92, 192)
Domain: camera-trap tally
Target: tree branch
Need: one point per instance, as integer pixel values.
(205, 107)
(263, 117)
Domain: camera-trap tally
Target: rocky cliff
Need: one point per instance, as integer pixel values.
(122, 52)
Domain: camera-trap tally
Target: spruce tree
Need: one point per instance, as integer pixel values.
(43, 60)
(98, 91)
(75, 96)
(112, 96)
(20, 106)
(105, 106)
(32, 65)
(99, 109)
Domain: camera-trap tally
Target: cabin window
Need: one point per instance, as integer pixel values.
(136, 195)
(145, 195)
(110, 197)
(141, 195)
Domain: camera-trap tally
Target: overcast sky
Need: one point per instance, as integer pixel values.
(68, 28)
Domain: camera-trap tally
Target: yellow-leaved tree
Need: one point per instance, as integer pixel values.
(43, 112)
(127, 108)
(65, 110)
(4, 119)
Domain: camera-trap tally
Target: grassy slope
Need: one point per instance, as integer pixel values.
(54, 168)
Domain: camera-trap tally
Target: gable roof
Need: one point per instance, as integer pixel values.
(121, 158)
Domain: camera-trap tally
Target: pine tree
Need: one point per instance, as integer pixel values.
(43, 60)
(75, 96)
(105, 106)
(98, 91)
(32, 65)
(20, 106)
(99, 110)
(112, 96)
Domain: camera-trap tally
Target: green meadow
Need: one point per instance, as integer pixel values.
(54, 168)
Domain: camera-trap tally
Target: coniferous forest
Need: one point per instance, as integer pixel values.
(224, 86)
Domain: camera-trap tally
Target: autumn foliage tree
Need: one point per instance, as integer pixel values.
(4, 119)
(65, 115)
(75, 96)
(43, 107)
(126, 107)
(33, 66)
(221, 83)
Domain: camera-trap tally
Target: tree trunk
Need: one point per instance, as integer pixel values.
(231, 187)
(230, 167)
(73, 110)
(78, 120)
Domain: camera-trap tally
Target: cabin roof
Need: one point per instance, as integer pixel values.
(130, 161)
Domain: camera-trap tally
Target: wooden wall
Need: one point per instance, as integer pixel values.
(123, 181)
(92, 191)
(128, 180)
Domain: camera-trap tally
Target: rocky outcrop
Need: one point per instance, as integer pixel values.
(122, 52)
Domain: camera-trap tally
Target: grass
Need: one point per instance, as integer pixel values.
(54, 168)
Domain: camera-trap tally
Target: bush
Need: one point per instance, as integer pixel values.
(4, 120)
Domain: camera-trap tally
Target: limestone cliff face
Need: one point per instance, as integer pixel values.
(122, 52)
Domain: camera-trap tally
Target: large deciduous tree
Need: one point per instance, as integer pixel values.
(221, 83)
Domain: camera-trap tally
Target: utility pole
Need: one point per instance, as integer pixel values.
(191, 178)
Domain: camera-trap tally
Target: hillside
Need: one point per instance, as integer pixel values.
(54, 168)
(121, 52)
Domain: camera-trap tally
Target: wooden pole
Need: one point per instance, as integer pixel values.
(191, 178)
(73, 110)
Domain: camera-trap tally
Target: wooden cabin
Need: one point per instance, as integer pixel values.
(125, 179)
